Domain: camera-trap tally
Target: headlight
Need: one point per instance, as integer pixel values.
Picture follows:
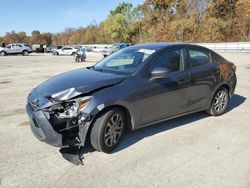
(73, 107)
(82, 102)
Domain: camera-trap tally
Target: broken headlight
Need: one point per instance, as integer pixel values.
(73, 107)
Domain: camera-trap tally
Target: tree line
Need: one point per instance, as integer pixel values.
(153, 21)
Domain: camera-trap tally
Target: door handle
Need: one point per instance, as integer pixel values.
(184, 81)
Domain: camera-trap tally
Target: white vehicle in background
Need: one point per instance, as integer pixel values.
(96, 49)
(17, 48)
(114, 48)
(67, 50)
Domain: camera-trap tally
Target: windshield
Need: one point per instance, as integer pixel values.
(124, 61)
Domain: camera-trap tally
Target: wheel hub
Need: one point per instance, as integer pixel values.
(220, 101)
(113, 130)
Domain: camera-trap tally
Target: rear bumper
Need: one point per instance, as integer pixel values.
(42, 128)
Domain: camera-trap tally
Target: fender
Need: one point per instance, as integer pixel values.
(95, 109)
(224, 83)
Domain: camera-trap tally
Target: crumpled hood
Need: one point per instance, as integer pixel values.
(83, 80)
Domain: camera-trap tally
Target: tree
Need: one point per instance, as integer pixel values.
(122, 8)
(11, 37)
(22, 37)
(119, 25)
(241, 29)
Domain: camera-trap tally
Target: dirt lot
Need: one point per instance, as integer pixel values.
(192, 151)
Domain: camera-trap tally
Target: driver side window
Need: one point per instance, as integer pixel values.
(173, 61)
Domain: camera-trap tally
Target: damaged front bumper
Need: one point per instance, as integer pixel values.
(42, 128)
(59, 120)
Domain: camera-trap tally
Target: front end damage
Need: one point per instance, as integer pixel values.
(59, 119)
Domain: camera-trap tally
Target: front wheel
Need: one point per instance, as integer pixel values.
(107, 130)
(219, 102)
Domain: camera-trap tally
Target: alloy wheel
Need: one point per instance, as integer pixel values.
(220, 101)
(113, 130)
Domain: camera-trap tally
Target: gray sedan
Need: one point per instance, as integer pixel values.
(132, 88)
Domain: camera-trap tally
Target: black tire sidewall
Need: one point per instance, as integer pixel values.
(102, 125)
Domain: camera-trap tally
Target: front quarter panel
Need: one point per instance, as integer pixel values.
(117, 95)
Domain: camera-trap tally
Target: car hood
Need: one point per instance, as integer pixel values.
(82, 81)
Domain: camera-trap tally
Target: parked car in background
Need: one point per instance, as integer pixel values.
(38, 48)
(50, 49)
(67, 50)
(96, 49)
(88, 49)
(132, 88)
(114, 48)
(16, 48)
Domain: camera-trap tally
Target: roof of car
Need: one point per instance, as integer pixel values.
(161, 45)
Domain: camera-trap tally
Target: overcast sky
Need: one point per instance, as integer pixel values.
(53, 15)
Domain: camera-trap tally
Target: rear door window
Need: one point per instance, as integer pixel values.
(199, 57)
(66, 48)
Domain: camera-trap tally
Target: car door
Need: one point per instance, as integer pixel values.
(64, 51)
(18, 48)
(204, 77)
(165, 97)
(10, 49)
(69, 51)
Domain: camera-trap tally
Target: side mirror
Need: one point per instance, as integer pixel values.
(159, 72)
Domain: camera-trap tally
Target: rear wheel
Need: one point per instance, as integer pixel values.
(219, 103)
(25, 53)
(2, 53)
(107, 130)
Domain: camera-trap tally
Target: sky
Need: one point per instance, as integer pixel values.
(53, 15)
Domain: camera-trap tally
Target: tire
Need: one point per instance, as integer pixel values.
(77, 60)
(104, 125)
(2, 53)
(25, 53)
(56, 53)
(219, 102)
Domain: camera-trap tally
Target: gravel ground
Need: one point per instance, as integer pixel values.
(192, 151)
